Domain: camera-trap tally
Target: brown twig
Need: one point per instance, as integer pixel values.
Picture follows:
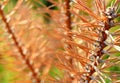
(107, 25)
(100, 52)
(19, 48)
(68, 20)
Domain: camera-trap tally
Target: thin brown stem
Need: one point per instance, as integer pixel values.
(68, 14)
(68, 26)
(19, 48)
(99, 54)
(102, 46)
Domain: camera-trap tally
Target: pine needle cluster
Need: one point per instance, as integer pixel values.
(60, 41)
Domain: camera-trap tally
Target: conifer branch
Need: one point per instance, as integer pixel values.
(108, 23)
(19, 48)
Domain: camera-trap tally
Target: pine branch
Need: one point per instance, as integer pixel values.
(19, 48)
(110, 15)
